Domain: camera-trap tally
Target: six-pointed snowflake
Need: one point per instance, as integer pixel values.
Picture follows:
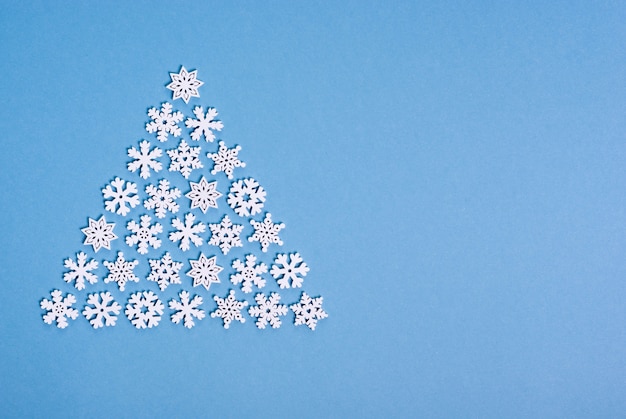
(266, 232)
(184, 159)
(99, 234)
(229, 309)
(184, 84)
(121, 271)
(225, 160)
(80, 270)
(187, 232)
(246, 197)
(145, 159)
(308, 311)
(204, 271)
(162, 198)
(164, 271)
(59, 309)
(118, 198)
(289, 270)
(101, 306)
(144, 309)
(187, 310)
(225, 235)
(204, 124)
(248, 274)
(164, 122)
(144, 234)
(268, 310)
(203, 194)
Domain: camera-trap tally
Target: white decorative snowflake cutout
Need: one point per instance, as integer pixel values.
(144, 234)
(162, 198)
(118, 198)
(187, 310)
(204, 271)
(229, 309)
(204, 125)
(99, 234)
(145, 159)
(246, 197)
(268, 310)
(121, 271)
(308, 311)
(184, 159)
(164, 271)
(80, 271)
(101, 306)
(184, 85)
(164, 122)
(144, 309)
(289, 270)
(187, 232)
(203, 194)
(248, 274)
(225, 235)
(59, 309)
(266, 232)
(225, 160)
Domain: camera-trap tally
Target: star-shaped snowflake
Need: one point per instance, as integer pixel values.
(121, 271)
(204, 125)
(80, 271)
(289, 270)
(164, 122)
(225, 235)
(144, 234)
(164, 271)
(184, 85)
(145, 159)
(162, 198)
(268, 310)
(203, 194)
(118, 198)
(225, 160)
(144, 309)
(59, 309)
(229, 309)
(248, 273)
(101, 306)
(99, 234)
(187, 310)
(308, 311)
(187, 232)
(204, 271)
(184, 159)
(266, 232)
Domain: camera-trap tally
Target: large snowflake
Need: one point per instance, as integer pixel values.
(289, 270)
(164, 271)
(144, 234)
(184, 84)
(186, 310)
(248, 274)
(225, 235)
(225, 160)
(80, 271)
(266, 232)
(229, 309)
(308, 311)
(184, 159)
(268, 310)
(246, 197)
(204, 271)
(203, 194)
(204, 124)
(145, 159)
(144, 309)
(164, 122)
(59, 309)
(187, 232)
(118, 198)
(121, 271)
(99, 234)
(101, 306)
(162, 199)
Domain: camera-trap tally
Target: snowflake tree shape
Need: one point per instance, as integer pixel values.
(225, 160)
(99, 234)
(80, 271)
(308, 311)
(248, 273)
(266, 232)
(59, 309)
(203, 195)
(289, 270)
(101, 306)
(164, 122)
(184, 159)
(162, 199)
(187, 232)
(144, 309)
(121, 271)
(118, 198)
(145, 159)
(184, 84)
(204, 271)
(246, 197)
(144, 234)
(186, 310)
(268, 310)
(229, 309)
(205, 124)
(225, 235)
(164, 271)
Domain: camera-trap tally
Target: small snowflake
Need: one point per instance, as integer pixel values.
(266, 232)
(184, 159)
(118, 198)
(229, 309)
(308, 311)
(246, 197)
(80, 271)
(144, 160)
(164, 271)
(225, 235)
(186, 309)
(225, 160)
(103, 307)
(144, 309)
(204, 124)
(268, 310)
(187, 232)
(144, 234)
(162, 198)
(59, 309)
(121, 271)
(289, 273)
(164, 122)
(99, 234)
(248, 274)
(203, 194)
(204, 271)
(184, 84)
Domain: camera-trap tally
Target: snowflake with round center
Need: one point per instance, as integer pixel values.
(184, 159)
(268, 310)
(80, 271)
(186, 310)
(187, 232)
(266, 232)
(204, 125)
(101, 306)
(246, 197)
(121, 271)
(204, 271)
(59, 309)
(184, 84)
(248, 274)
(225, 160)
(144, 234)
(308, 311)
(118, 198)
(145, 159)
(225, 235)
(164, 122)
(164, 271)
(229, 309)
(289, 270)
(99, 234)
(144, 309)
(203, 195)
(162, 199)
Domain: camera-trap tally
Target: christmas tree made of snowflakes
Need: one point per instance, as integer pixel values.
(179, 216)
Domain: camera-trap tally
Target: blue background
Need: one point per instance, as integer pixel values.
(454, 174)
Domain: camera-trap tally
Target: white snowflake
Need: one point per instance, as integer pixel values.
(144, 309)
(308, 311)
(121, 271)
(203, 194)
(225, 160)
(248, 273)
(162, 198)
(187, 310)
(144, 234)
(184, 84)
(80, 271)
(99, 234)
(164, 271)
(164, 122)
(205, 124)
(229, 309)
(289, 270)
(184, 159)
(187, 232)
(266, 232)
(145, 159)
(118, 198)
(246, 197)
(103, 307)
(204, 271)
(268, 310)
(225, 235)
(59, 309)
